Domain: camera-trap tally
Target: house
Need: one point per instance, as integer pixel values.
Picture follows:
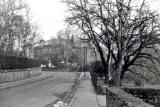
(68, 50)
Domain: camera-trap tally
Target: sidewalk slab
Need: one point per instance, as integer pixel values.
(101, 100)
(85, 96)
(21, 82)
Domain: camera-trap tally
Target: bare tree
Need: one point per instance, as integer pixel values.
(8, 18)
(17, 31)
(120, 33)
(66, 51)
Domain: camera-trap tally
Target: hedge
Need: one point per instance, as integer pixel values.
(13, 62)
(117, 97)
(98, 68)
(149, 95)
(97, 71)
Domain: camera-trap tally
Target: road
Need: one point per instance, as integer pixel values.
(38, 94)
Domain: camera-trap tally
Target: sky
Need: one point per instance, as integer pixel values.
(50, 14)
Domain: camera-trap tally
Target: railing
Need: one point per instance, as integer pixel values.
(19, 74)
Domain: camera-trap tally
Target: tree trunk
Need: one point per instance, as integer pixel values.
(117, 80)
(122, 74)
(103, 63)
(117, 72)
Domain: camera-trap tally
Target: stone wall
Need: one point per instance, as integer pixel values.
(19, 74)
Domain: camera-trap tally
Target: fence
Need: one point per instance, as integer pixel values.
(19, 74)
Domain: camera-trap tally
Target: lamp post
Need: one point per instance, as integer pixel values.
(84, 47)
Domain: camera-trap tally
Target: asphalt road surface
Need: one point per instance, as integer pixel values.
(38, 94)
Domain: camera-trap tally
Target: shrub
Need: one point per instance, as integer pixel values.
(85, 68)
(44, 62)
(56, 60)
(13, 62)
(97, 67)
(97, 71)
(94, 79)
(137, 83)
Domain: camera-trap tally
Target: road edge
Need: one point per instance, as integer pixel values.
(23, 82)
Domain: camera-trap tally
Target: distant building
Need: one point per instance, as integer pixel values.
(67, 48)
(47, 49)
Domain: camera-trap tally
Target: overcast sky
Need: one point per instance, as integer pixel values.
(50, 14)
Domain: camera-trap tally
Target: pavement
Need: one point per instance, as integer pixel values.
(25, 81)
(86, 95)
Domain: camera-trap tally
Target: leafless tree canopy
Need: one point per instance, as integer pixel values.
(17, 33)
(120, 32)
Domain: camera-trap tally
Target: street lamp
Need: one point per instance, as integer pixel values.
(84, 47)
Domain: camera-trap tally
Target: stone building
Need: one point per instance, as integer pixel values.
(47, 49)
(69, 51)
